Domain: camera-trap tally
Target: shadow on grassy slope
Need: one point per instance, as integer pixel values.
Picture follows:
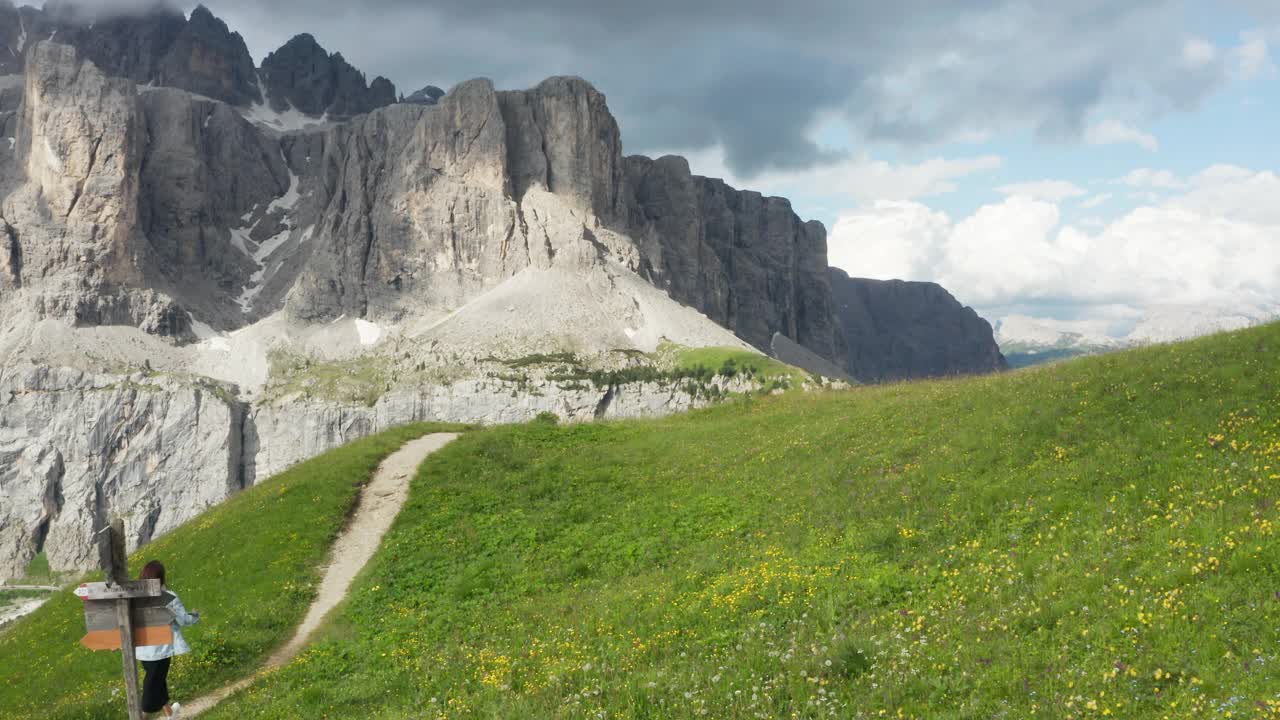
(250, 565)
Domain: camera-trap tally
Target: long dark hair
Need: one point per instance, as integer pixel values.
(153, 570)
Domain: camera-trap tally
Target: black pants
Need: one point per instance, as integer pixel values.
(155, 686)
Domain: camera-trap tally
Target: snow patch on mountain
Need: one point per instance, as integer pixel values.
(291, 120)
(1029, 340)
(1182, 322)
(1032, 332)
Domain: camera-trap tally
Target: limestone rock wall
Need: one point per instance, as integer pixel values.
(77, 448)
(69, 197)
(285, 433)
(898, 330)
(428, 207)
(206, 175)
(744, 260)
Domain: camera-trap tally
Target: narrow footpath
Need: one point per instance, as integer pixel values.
(379, 503)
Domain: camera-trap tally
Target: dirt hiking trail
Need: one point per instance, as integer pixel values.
(376, 509)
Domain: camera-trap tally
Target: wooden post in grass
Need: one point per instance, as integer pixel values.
(122, 613)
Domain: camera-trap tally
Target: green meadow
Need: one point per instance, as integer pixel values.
(1095, 538)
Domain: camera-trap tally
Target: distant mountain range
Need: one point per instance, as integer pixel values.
(1028, 341)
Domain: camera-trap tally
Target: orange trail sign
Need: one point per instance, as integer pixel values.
(121, 614)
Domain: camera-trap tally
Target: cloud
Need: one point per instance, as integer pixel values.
(1253, 56)
(1228, 191)
(1114, 132)
(890, 239)
(1095, 201)
(859, 179)
(1213, 243)
(1054, 190)
(741, 75)
(1198, 52)
(1261, 10)
(1152, 179)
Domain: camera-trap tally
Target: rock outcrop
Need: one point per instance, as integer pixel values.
(459, 197)
(70, 198)
(17, 27)
(426, 208)
(897, 330)
(742, 259)
(429, 95)
(76, 449)
(206, 58)
(135, 208)
(160, 46)
(303, 76)
(209, 179)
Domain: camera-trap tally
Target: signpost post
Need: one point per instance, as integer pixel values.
(122, 613)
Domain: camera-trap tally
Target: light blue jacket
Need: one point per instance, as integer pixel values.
(179, 646)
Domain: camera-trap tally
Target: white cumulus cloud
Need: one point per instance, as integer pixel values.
(860, 179)
(1152, 179)
(1055, 190)
(1114, 132)
(1095, 201)
(1252, 57)
(1219, 241)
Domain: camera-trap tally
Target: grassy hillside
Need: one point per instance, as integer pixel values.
(249, 565)
(1095, 538)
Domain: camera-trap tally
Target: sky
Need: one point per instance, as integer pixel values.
(1084, 160)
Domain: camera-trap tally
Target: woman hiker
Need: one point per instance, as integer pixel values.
(156, 658)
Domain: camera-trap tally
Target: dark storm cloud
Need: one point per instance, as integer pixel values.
(755, 76)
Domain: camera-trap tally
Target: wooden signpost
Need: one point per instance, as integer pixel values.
(121, 614)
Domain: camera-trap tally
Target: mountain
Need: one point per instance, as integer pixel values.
(1030, 341)
(1170, 323)
(301, 75)
(429, 95)
(199, 54)
(897, 330)
(287, 259)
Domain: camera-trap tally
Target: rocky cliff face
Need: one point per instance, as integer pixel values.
(898, 330)
(746, 261)
(489, 183)
(76, 448)
(303, 76)
(70, 198)
(148, 180)
(161, 46)
(208, 180)
(79, 448)
(429, 95)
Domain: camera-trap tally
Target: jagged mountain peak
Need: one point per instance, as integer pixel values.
(158, 44)
(429, 95)
(302, 75)
(301, 42)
